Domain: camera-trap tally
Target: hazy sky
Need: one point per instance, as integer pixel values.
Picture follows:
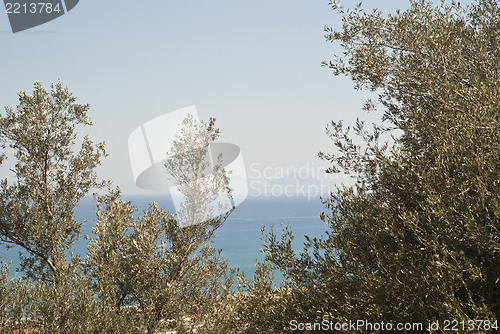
(253, 65)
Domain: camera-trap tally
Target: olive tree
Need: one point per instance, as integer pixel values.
(202, 184)
(158, 263)
(108, 263)
(416, 238)
(16, 306)
(37, 209)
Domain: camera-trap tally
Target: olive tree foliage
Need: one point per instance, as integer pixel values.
(68, 307)
(162, 264)
(256, 307)
(150, 263)
(37, 214)
(417, 236)
(15, 302)
(175, 270)
(143, 271)
(37, 209)
(109, 250)
(108, 260)
(188, 165)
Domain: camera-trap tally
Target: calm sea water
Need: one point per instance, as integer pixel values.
(239, 237)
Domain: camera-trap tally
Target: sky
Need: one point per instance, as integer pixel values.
(253, 65)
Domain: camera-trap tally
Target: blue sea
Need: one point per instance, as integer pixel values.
(239, 237)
